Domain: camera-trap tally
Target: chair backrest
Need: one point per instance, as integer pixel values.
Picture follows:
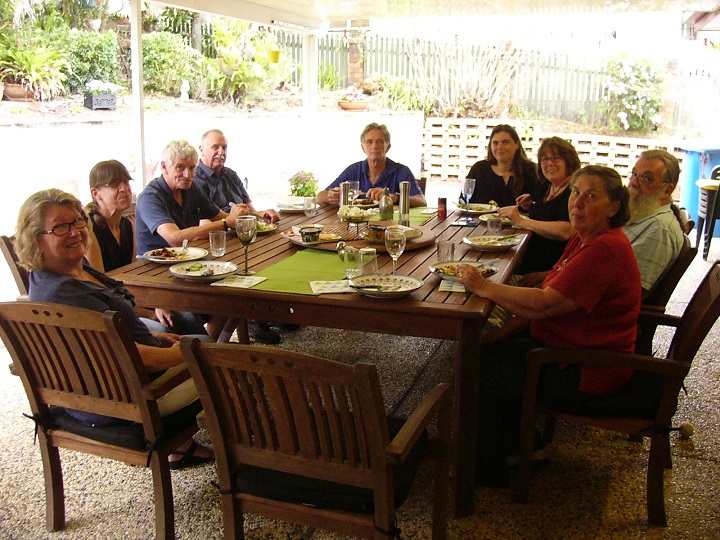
(422, 182)
(75, 358)
(293, 413)
(21, 276)
(663, 288)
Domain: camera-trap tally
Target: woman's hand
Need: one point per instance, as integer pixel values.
(524, 201)
(512, 213)
(164, 317)
(471, 278)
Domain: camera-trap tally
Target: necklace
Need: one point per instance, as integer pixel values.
(552, 193)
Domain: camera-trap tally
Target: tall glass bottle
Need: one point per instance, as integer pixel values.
(386, 206)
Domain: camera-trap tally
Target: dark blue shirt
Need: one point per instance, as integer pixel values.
(156, 206)
(221, 188)
(390, 178)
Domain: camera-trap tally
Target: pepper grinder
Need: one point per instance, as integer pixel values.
(344, 193)
(404, 204)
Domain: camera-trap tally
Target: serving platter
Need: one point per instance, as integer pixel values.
(493, 242)
(172, 255)
(477, 209)
(448, 270)
(203, 271)
(423, 237)
(325, 237)
(386, 285)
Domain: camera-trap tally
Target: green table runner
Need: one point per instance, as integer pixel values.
(294, 274)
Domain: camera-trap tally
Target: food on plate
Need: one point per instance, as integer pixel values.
(450, 269)
(375, 233)
(310, 234)
(329, 237)
(265, 226)
(494, 240)
(167, 254)
(354, 213)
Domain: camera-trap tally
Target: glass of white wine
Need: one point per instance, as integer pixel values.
(246, 228)
(395, 244)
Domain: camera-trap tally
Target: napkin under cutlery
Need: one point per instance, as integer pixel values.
(239, 282)
(341, 286)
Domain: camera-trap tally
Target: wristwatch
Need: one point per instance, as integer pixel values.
(225, 224)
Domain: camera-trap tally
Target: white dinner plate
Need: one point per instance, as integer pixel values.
(291, 204)
(365, 203)
(485, 217)
(492, 242)
(203, 270)
(477, 209)
(447, 270)
(171, 255)
(386, 285)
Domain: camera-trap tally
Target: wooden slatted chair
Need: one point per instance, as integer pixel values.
(691, 330)
(19, 274)
(85, 360)
(306, 440)
(658, 297)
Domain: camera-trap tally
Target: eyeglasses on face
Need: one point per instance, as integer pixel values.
(116, 184)
(554, 159)
(61, 229)
(646, 178)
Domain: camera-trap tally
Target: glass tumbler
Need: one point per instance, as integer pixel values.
(368, 260)
(218, 243)
(353, 264)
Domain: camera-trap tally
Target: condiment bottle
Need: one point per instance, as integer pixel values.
(404, 204)
(386, 206)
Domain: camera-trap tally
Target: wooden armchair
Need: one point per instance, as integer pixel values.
(21, 276)
(658, 297)
(306, 440)
(84, 360)
(691, 330)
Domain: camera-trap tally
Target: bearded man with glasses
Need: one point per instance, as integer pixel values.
(653, 230)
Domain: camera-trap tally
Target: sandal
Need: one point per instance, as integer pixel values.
(189, 459)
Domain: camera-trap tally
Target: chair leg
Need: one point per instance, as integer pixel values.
(233, 520)
(655, 480)
(54, 490)
(442, 483)
(164, 505)
(698, 231)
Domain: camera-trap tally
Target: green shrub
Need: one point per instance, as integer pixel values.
(634, 94)
(167, 61)
(398, 94)
(92, 55)
(241, 72)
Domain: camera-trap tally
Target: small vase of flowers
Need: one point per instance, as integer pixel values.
(303, 184)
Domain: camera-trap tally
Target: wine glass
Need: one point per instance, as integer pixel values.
(395, 244)
(310, 206)
(246, 228)
(353, 190)
(468, 189)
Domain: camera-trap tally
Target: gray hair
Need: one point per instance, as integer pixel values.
(208, 132)
(370, 127)
(180, 149)
(672, 165)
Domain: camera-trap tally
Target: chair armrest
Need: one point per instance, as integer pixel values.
(605, 358)
(434, 402)
(656, 315)
(167, 381)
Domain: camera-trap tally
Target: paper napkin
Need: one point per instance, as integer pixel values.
(239, 282)
(320, 287)
(451, 286)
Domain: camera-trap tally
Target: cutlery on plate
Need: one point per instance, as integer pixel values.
(183, 251)
(378, 287)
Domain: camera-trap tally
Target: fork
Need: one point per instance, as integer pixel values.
(183, 251)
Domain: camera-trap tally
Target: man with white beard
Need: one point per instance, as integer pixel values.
(653, 229)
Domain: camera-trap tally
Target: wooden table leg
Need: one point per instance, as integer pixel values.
(467, 383)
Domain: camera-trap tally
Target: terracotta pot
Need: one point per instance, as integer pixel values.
(17, 92)
(353, 105)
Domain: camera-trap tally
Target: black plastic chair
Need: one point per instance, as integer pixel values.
(708, 212)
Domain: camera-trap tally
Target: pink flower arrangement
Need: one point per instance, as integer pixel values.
(303, 184)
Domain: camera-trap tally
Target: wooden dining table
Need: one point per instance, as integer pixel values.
(427, 312)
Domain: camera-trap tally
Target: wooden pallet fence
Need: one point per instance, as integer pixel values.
(452, 145)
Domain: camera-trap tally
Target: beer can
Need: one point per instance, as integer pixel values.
(442, 208)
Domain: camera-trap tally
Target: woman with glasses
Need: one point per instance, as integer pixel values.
(112, 242)
(506, 173)
(547, 207)
(51, 242)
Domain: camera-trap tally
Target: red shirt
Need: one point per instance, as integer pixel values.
(601, 277)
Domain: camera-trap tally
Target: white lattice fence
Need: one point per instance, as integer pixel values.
(452, 145)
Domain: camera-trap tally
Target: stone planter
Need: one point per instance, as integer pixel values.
(100, 101)
(353, 105)
(17, 92)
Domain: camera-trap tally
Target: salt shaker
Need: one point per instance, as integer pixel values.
(405, 204)
(344, 193)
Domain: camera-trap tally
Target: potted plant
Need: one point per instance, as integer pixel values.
(100, 95)
(353, 99)
(32, 71)
(303, 184)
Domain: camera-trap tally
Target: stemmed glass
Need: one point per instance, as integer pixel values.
(246, 228)
(395, 244)
(467, 190)
(353, 190)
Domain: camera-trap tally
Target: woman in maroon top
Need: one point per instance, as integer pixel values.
(591, 298)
